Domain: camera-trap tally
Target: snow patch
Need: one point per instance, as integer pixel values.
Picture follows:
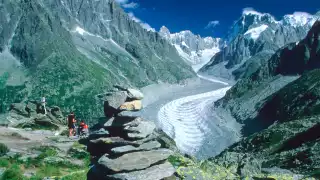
(254, 33)
(184, 43)
(80, 30)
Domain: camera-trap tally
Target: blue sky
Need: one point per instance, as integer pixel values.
(207, 17)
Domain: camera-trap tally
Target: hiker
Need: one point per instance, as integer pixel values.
(43, 103)
(71, 121)
(83, 128)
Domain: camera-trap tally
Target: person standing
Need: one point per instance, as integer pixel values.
(71, 123)
(43, 103)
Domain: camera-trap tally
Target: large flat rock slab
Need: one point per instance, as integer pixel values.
(104, 145)
(143, 147)
(134, 161)
(156, 172)
(122, 121)
(141, 130)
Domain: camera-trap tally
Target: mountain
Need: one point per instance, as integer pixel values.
(71, 50)
(194, 49)
(279, 107)
(253, 39)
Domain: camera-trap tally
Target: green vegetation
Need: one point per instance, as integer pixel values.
(3, 149)
(54, 166)
(4, 162)
(13, 173)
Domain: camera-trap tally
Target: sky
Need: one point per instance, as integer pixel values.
(207, 17)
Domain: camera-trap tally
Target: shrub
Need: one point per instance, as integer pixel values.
(13, 173)
(3, 149)
(47, 171)
(4, 162)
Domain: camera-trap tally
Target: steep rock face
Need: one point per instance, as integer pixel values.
(192, 48)
(283, 125)
(246, 98)
(256, 33)
(71, 50)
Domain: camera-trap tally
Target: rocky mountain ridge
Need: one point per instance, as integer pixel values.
(253, 39)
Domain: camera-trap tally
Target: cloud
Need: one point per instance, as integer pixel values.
(131, 5)
(212, 24)
(127, 5)
(250, 10)
(143, 24)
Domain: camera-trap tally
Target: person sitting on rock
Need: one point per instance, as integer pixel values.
(71, 123)
(83, 128)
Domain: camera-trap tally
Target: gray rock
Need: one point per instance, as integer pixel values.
(134, 161)
(144, 129)
(98, 134)
(104, 145)
(143, 147)
(134, 94)
(115, 99)
(121, 121)
(156, 172)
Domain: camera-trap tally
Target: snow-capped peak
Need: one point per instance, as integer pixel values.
(298, 19)
(164, 30)
(193, 48)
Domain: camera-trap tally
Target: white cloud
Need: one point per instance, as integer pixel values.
(127, 5)
(250, 10)
(212, 24)
(131, 5)
(143, 24)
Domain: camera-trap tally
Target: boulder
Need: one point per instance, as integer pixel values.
(143, 147)
(134, 161)
(31, 115)
(156, 172)
(134, 94)
(135, 105)
(116, 99)
(142, 130)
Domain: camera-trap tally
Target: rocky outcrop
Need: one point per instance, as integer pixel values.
(32, 115)
(133, 149)
(130, 157)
